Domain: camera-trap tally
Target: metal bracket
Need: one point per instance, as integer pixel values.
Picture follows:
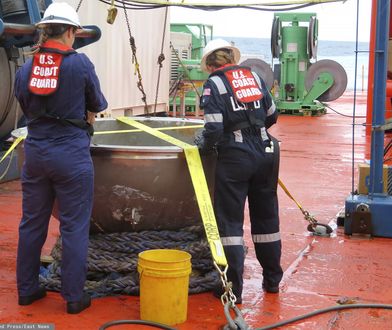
(382, 127)
(323, 82)
(238, 323)
(361, 220)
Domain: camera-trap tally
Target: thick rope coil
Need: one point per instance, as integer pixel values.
(112, 261)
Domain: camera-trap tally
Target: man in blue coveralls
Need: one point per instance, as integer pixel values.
(59, 92)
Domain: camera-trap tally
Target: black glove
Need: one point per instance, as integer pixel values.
(199, 138)
(201, 143)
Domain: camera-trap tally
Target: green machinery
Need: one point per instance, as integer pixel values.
(299, 83)
(186, 77)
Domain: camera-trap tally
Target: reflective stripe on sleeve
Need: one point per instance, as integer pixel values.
(219, 84)
(271, 110)
(266, 238)
(238, 136)
(257, 78)
(263, 133)
(213, 118)
(232, 240)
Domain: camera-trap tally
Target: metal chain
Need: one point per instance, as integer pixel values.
(185, 69)
(309, 217)
(134, 61)
(228, 295)
(228, 301)
(238, 323)
(161, 58)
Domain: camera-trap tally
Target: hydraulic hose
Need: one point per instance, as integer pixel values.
(322, 311)
(267, 327)
(139, 322)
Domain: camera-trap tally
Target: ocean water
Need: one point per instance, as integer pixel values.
(342, 52)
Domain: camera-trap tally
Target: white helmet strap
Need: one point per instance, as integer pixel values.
(52, 18)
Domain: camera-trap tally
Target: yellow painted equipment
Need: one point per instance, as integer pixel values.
(364, 173)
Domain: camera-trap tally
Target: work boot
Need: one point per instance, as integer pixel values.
(270, 288)
(28, 300)
(78, 306)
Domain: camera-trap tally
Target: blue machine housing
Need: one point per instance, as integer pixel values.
(379, 213)
(18, 29)
(372, 213)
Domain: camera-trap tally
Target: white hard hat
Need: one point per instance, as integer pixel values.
(216, 44)
(60, 13)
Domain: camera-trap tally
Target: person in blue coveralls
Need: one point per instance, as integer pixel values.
(238, 110)
(59, 92)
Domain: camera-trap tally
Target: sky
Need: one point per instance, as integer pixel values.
(337, 21)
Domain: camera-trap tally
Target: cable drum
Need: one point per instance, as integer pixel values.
(312, 38)
(262, 68)
(275, 38)
(13, 7)
(9, 107)
(16, 11)
(338, 73)
(5, 87)
(113, 258)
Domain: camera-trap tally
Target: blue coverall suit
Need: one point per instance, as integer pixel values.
(57, 165)
(247, 166)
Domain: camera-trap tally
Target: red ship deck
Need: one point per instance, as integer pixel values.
(316, 168)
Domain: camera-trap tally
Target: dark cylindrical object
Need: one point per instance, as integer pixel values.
(13, 7)
(14, 29)
(16, 11)
(142, 182)
(10, 112)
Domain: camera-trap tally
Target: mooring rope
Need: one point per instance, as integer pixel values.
(112, 261)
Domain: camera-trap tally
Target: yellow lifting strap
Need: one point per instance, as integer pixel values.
(197, 175)
(139, 130)
(13, 146)
(21, 138)
(199, 184)
(281, 184)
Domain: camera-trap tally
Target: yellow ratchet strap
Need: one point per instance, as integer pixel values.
(139, 130)
(13, 146)
(19, 139)
(199, 184)
(281, 184)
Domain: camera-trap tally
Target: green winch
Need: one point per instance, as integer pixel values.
(299, 83)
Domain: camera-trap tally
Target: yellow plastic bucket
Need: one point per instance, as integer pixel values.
(164, 283)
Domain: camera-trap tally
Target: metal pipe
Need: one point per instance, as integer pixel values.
(34, 11)
(380, 75)
(370, 87)
(14, 29)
